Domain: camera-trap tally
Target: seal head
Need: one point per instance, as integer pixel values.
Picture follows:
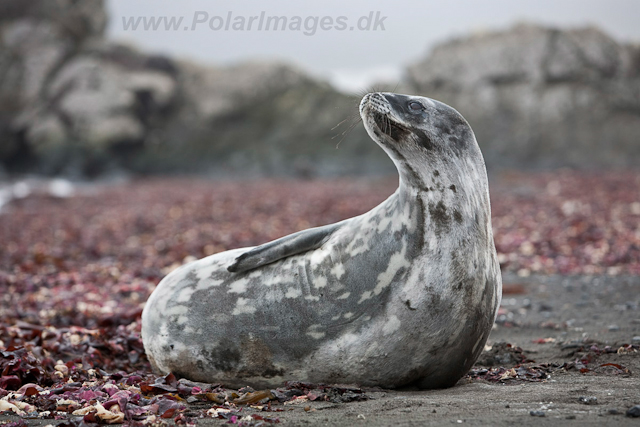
(421, 136)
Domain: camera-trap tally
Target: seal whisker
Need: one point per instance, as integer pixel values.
(358, 94)
(388, 125)
(357, 120)
(336, 126)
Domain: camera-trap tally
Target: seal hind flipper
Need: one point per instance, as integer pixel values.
(283, 247)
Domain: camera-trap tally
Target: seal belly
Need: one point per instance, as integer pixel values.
(265, 323)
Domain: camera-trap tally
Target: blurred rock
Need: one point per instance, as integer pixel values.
(261, 119)
(73, 103)
(541, 97)
(215, 91)
(634, 412)
(37, 37)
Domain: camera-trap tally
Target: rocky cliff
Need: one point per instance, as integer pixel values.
(541, 97)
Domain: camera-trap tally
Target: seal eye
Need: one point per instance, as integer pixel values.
(415, 106)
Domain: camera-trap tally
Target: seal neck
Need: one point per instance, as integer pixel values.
(451, 201)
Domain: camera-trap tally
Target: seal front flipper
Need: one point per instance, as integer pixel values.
(283, 247)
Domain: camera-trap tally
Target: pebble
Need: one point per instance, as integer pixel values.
(570, 417)
(545, 307)
(636, 339)
(62, 368)
(537, 413)
(613, 328)
(589, 400)
(613, 411)
(634, 411)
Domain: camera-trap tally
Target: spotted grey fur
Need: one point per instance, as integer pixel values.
(404, 294)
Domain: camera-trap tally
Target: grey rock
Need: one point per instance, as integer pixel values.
(47, 133)
(100, 99)
(79, 20)
(40, 48)
(539, 96)
(73, 103)
(634, 411)
(36, 38)
(214, 91)
(589, 400)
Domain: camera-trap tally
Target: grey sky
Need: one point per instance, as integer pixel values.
(351, 58)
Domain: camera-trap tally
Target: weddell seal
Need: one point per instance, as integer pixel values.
(403, 295)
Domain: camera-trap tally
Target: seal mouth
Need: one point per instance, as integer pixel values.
(377, 107)
(388, 126)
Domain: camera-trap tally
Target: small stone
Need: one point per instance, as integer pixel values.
(570, 417)
(507, 406)
(634, 411)
(546, 307)
(636, 339)
(589, 400)
(192, 399)
(537, 413)
(63, 369)
(613, 328)
(613, 411)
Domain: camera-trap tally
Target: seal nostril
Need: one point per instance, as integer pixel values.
(377, 102)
